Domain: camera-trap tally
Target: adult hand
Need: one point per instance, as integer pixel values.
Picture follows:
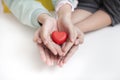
(46, 55)
(65, 24)
(73, 49)
(43, 34)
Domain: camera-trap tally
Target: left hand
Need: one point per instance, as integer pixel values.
(45, 54)
(72, 49)
(65, 24)
(75, 35)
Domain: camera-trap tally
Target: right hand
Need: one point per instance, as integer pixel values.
(80, 38)
(43, 34)
(46, 55)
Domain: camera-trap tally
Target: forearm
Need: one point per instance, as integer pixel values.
(98, 20)
(65, 10)
(58, 3)
(79, 15)
(43, 18)
(27, 11)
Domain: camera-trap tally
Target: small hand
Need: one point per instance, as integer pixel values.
(73, 49)
(46, 55)
(75, 36)
(43, 34)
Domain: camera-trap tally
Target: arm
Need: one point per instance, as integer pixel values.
(64, 14)
(27, 11)
(58, 3)
(98, 20)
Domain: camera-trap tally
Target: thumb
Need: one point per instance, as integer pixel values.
(37, 36)
(44, 34)
(72, 35)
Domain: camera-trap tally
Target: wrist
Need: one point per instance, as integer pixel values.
(43, 18)
(65, 10)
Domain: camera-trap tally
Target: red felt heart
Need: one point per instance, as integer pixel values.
(59, 37)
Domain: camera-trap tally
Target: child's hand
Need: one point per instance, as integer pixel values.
(75, 36)
(46, 55)
(73, 49)
(49, 25)
(65, 24)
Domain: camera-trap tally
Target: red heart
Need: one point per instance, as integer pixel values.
(59, 37)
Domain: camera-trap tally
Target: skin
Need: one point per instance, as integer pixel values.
(76, 24)
(65, 24)
(64, 20)
(43, 40)
(90, 22)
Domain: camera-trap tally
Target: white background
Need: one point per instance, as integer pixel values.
(97, 59)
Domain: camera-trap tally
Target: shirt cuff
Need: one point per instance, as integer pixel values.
(35, 15)
(61, 3)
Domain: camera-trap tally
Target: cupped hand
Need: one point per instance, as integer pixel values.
(80, 38)
(43, 34)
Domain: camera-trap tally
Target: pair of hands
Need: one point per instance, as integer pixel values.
(50, 51)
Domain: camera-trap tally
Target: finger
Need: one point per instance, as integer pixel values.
(63, 45)
(67, 47)
(79, 41)
(52, 59)
(58, 49)
(46, 40)
(37, 36)
(59, 59)
(63, 48)
(61, 62)
(48, 61)
(69, 55)
(42, 52)
(55, 59)
(72, 35)
(43, 37)
(80, 38)
(51, 47)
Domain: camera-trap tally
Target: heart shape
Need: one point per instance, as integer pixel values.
(59, 37)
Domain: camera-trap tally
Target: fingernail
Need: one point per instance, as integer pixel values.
(76, 43)
(61, 54)
(61, 64)
(44, 60)
(45, 42)
(72, 40)
(39, 41)
(55, 53)
(63, 49)
(49, 63)
(64, 61)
